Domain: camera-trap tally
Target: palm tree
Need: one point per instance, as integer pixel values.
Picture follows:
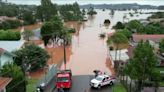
(27, 34)
(117, 39)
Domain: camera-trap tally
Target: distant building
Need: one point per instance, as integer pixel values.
(153, 37)
(3, 83)
(4, 18)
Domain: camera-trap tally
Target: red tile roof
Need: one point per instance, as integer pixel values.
(155, 38)
(130, 51)
(4, 82)
(1, 51)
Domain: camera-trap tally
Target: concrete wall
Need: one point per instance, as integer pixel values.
(4, 58)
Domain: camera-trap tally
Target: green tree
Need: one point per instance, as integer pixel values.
(119, 25)
(141, 66)
(51, 30)
(31, 55)
(134, 26)
(83, 12)
(118, 39)
(71, 12)
(91, 11)
(27, 34)
(47, 10)
(18, 83)
(161, 46)
(9, 35)
(28, 17)
(125, 32)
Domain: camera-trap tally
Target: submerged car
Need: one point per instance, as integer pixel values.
(102, 80)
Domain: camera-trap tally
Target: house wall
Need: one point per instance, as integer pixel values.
(3, 90)
(5, 58)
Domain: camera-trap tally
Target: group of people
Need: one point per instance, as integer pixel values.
(98, 72)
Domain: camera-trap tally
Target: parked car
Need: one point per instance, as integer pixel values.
(102, 80)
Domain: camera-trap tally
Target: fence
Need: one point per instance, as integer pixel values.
(49, 78)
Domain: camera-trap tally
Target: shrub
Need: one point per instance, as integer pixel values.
(9, 35)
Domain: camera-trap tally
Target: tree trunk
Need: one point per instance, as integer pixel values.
(126, 81)
(119, 55)
(130, 85)
(116, 52)
(156, 86)
(139, 86)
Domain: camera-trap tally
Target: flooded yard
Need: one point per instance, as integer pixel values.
(88, 51)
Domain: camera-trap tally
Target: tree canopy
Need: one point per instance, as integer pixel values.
(31, 55)
(27, 34)
(134, 25)
(10, 24)
(51, 29)
(71, 12)
(18, 78)
(142, 65)
(125, 32)
(9, 35)
(91, 11)
(46, 10)
(119, 25)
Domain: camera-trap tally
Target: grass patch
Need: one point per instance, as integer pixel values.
(118, 88)
(160, 68)
(161, 84)
(31, 85)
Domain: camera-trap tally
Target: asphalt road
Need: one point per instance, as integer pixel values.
(81, 84)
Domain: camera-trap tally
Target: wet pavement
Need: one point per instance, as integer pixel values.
(81, 84)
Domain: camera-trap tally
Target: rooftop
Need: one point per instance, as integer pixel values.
(4, 82)
(152, 37)
(63, 75)
(11, 45)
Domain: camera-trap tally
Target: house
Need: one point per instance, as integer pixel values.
(6, 48)
(152, 37)
(4, 81)
(5, 57)
(11, 45)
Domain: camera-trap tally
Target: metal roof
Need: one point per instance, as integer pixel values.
(11, 45)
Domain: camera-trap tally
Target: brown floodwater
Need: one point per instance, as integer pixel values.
(88, 51)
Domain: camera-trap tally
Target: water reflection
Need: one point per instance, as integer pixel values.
(88, 51)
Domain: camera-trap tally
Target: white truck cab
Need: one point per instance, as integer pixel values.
(102, 80)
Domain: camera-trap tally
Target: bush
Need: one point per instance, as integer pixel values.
(33, 55)
(71, 30)
(10, 24)
(9, 35)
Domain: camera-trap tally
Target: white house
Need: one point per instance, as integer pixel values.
(6, 48)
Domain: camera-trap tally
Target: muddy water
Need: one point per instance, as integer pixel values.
(89, 52)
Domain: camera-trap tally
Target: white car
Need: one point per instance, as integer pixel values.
(102, 80)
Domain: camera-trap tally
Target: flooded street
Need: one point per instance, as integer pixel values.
(89, 52)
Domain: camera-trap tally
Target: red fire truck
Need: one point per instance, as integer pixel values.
(64, 79)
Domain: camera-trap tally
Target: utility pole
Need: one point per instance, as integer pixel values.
(64, 53)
